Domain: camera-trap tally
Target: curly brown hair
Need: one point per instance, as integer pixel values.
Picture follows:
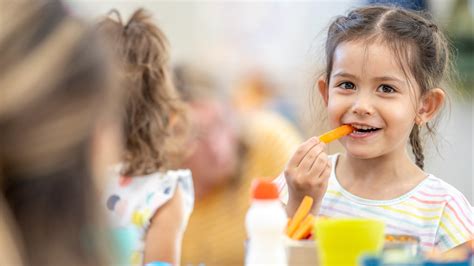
(154, 118)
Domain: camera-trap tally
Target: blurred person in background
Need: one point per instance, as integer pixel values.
(416, 5)
(145, 194)
(225, 152)
(257, 91)
(460, 28)
(56, 101)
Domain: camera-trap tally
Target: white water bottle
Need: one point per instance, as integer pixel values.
(265, 223)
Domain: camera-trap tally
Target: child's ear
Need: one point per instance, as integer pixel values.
(323, 89)
(430, 104)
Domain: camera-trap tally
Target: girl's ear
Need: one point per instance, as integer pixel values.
(323, 89)
(431, 103)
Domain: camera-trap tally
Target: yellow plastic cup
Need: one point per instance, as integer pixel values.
(344, 241)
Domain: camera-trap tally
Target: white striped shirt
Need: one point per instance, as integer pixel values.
(434, 211)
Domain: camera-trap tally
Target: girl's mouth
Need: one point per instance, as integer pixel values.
(362, 131)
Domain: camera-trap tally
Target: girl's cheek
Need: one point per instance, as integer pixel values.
(335, 113)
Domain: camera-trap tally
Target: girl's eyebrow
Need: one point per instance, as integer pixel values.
(388, 78)
(344, 75)
(382, 78)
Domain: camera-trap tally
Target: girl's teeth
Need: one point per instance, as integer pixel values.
(363, 127)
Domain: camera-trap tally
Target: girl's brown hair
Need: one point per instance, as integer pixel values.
(153, 117)
(54, 88)
(413, 37)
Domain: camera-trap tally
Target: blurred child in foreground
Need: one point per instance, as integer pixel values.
(56, 119)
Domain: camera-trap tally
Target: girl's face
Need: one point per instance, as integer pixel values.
(368, 90)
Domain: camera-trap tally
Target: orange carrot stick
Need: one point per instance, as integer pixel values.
(305, 228)
(288, 226)
(301, 212)
(336, 133)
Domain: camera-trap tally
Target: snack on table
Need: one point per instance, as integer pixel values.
(301, 213)
(401, 239)
(305, 228)
(401, 250)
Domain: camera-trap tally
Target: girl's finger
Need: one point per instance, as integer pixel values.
(319, 166)
(310, 157)
(326, 173)
(301, 152)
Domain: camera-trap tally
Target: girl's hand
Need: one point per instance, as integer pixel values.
(307, 173)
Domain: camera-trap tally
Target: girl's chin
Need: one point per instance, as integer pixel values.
(361, 153)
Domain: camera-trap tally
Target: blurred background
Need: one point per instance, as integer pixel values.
(272, 50)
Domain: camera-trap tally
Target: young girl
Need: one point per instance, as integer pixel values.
(144, 194)
(383, 75)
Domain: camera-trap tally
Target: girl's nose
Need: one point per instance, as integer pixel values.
(363, 105)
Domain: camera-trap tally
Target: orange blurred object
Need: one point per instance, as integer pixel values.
(262, 190)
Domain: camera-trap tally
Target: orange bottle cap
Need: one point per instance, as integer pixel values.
(264, 190)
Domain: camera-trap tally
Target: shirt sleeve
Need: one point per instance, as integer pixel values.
(158, 190)
(280, 181)
(456, 224)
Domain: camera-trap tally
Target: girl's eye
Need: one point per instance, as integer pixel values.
(386, 89)
(347, 85)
